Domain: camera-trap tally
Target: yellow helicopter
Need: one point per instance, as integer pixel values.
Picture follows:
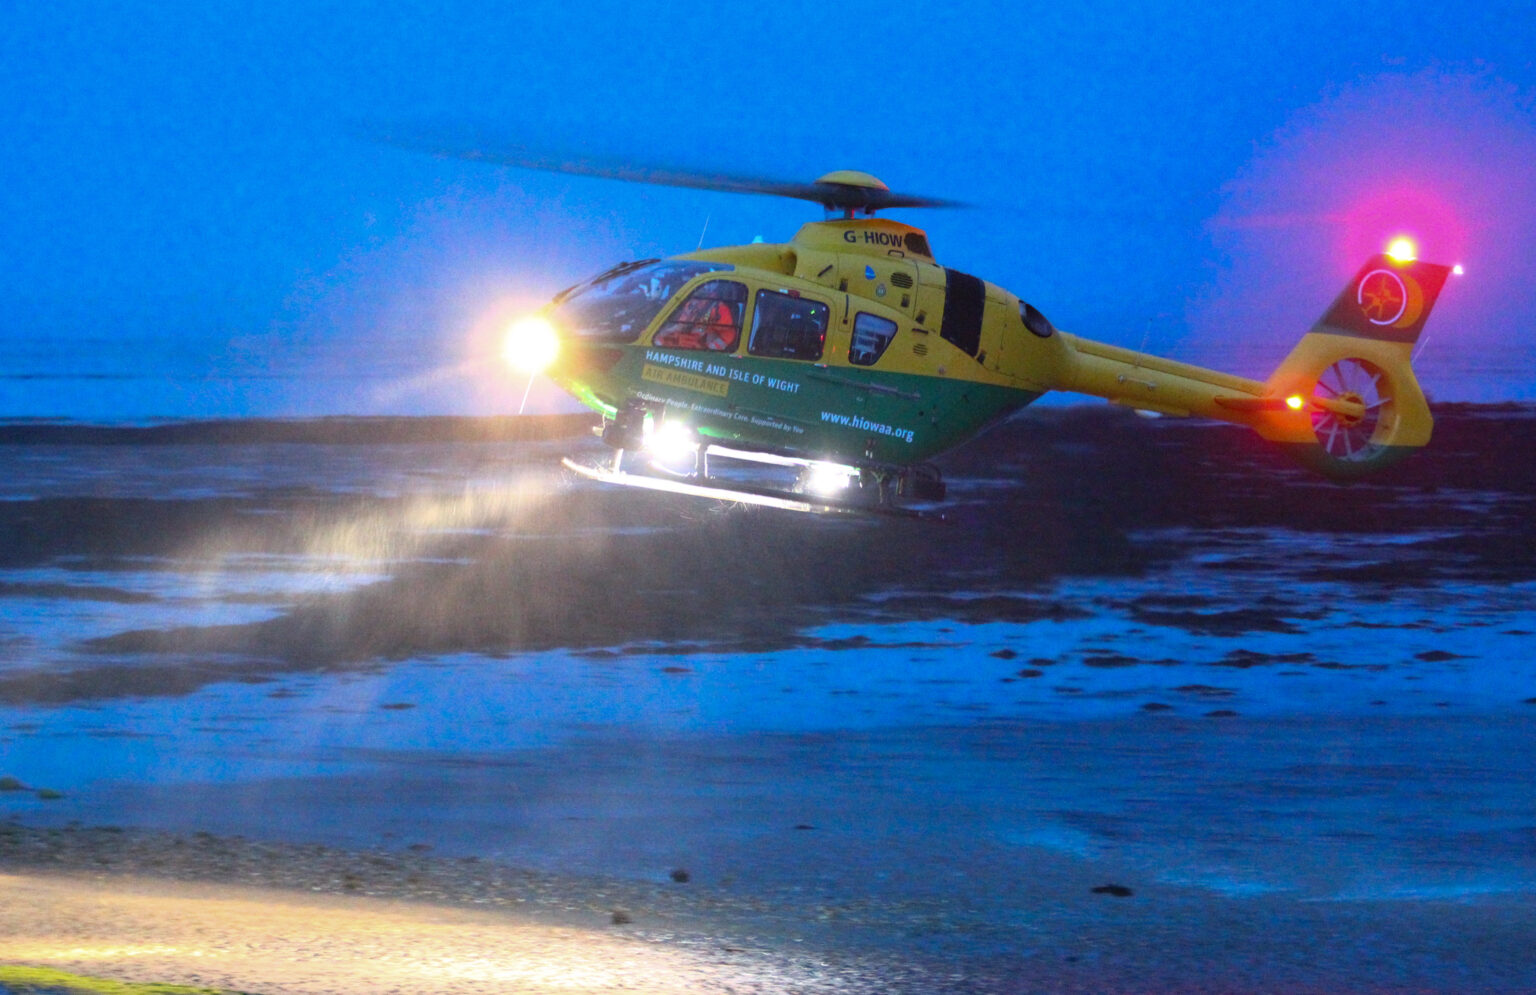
(850, 356)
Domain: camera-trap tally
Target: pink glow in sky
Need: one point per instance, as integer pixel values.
(1446, 159)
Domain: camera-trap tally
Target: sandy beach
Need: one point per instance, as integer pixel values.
(247, 916)
(1153, 710)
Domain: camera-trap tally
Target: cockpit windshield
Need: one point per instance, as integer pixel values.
(616, 306)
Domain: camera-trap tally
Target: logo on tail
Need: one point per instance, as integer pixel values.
(1388, 300)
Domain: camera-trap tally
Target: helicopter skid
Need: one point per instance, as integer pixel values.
(766, 497)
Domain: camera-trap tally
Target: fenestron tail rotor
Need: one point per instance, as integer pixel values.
(1350, 404)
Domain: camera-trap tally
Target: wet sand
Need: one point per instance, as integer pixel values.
(1290, 717)
(519, 560)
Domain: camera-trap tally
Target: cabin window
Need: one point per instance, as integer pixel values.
(616, 306)
(787, 326)
(709, 319)
(870, 337)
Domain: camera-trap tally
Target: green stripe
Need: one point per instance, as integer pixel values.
(852, 414)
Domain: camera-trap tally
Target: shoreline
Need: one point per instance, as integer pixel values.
(326, 430)
(416, 429)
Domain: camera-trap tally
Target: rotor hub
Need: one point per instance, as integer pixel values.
(1349, 417)
(854, 178)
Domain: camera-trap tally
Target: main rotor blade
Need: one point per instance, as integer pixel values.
(832, 195)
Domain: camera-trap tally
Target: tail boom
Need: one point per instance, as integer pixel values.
(1345, 401)
(1151, 383)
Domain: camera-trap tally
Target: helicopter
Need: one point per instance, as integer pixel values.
(850, 356)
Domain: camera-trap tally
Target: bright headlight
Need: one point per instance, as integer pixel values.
(829, 479)
(531, 344)
(673, 443)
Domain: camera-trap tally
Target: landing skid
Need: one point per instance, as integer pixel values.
(766, 497)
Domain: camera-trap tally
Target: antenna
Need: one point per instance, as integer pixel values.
(1145, 335)
(701, 234)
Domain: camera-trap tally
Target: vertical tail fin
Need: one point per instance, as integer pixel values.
(1352, 401)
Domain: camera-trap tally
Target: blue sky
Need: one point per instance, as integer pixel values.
(184, 211)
